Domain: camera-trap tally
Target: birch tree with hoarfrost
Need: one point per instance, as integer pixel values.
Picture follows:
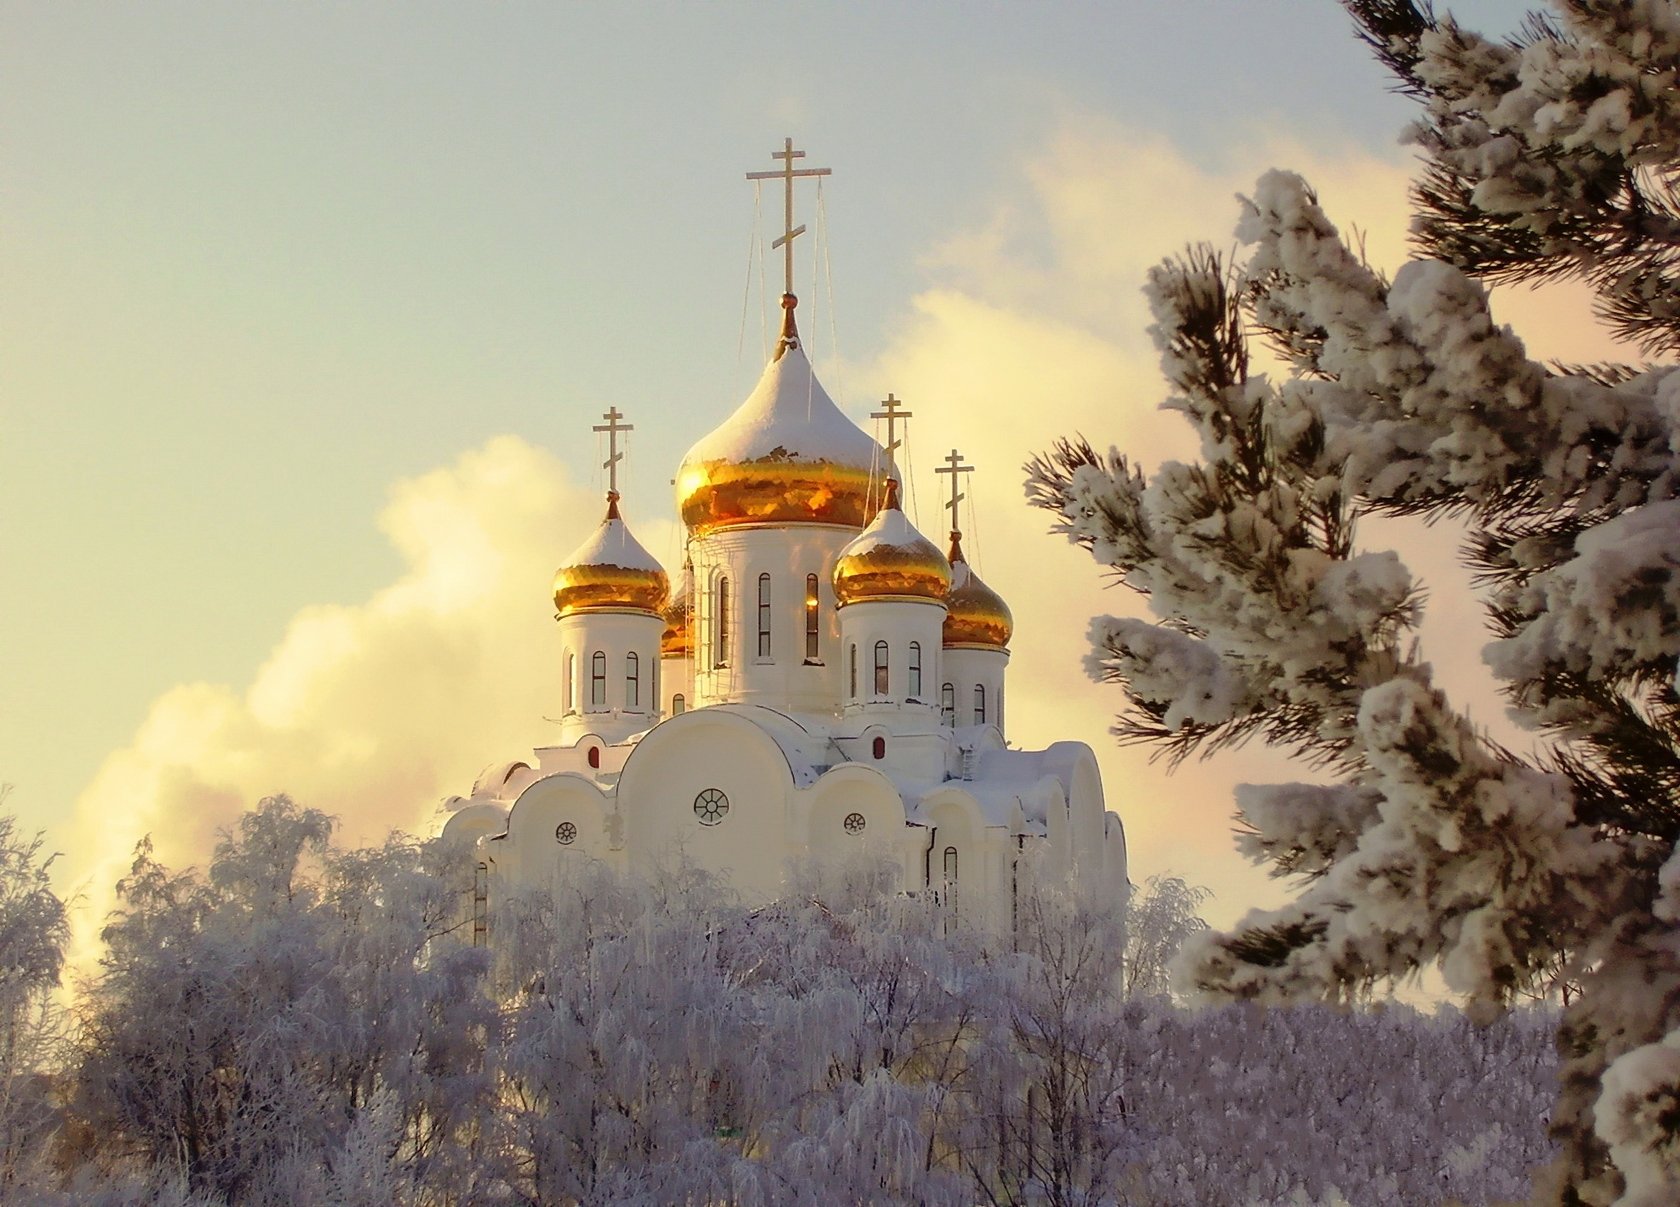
(1551, 155)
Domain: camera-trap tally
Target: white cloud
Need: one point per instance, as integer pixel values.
(372, 711)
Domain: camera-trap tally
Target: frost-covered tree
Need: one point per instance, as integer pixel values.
(298, 1024)
(1159, 920)
(33, 932)
(1552, 155)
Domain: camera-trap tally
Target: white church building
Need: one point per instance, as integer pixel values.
(822, 681)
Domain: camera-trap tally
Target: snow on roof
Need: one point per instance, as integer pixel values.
(790, 417)
(612, 545)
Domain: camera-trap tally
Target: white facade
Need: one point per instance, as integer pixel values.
(787, 722)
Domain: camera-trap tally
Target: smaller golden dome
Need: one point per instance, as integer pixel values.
(975, 615)
(678, 639)
(610, 572)
(890, 560)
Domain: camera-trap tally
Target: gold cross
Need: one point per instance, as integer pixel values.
(954, 466)
(612, 427)
(787, 175)
(892, 415)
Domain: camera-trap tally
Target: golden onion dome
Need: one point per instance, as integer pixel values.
(677, 641)
(975, 615)
(610, 572)
(890, 560)
(787, 455)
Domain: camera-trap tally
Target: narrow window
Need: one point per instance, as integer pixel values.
(598, 679)
(632, 681)
(481, 904)
(764, 616)
(566, 687)
(880, 668)
(915, 670)
(810, 618)
(721, 656)
(948, 704)
(950, 865)
(595, 757)
(852, 687)
(880, 748)
(679, 704)
(979, 703)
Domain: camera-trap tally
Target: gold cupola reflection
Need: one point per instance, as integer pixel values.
(890, 560)
(610, 572)
(677, 640)
(788, 455)
(975, 615)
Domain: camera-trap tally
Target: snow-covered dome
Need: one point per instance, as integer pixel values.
(787, 455)
(975, 615)
(610, 572)
(890, 560)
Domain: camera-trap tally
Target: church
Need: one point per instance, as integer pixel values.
(822, 681)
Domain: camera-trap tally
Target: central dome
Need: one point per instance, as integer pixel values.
(786, 456)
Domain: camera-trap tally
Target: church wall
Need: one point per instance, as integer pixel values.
(898, 623)
(785, 677)
(980, 892)
(614, 706)
(965, 669)
(676, 678)
(666, 798)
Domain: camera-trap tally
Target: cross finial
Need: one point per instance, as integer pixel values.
(891, 413)
(612, 427)
(955, 467)
(787, 174)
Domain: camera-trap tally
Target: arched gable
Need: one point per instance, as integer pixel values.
(560, 816)
(474, 821)
(852, 806)
(716, 786)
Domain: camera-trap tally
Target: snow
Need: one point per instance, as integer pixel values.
(890, 529)
(790, 417)
(612, 545)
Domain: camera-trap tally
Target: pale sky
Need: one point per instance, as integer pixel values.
(306, 310)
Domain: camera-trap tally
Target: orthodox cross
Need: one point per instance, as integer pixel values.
(612, 427)
(954, 466)
(892, 415)
(787, 175)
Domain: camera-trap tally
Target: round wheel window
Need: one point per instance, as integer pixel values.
(710, 806)
(565, 833)
(854, 823)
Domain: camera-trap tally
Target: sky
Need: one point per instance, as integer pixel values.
(306, 311)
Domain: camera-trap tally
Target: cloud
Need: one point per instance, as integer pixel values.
(372, 711)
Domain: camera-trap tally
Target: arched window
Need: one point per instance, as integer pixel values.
(880, 668)
(679, 704)
(851, 690)
(598, 679)
(950, 865)
(810, 618)
(566, 687)
(764, 616)
(720, 656)
(979, 703)
(948, 704)
(915, 670)
(632, 681)
(879, 748)
(595, 757)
